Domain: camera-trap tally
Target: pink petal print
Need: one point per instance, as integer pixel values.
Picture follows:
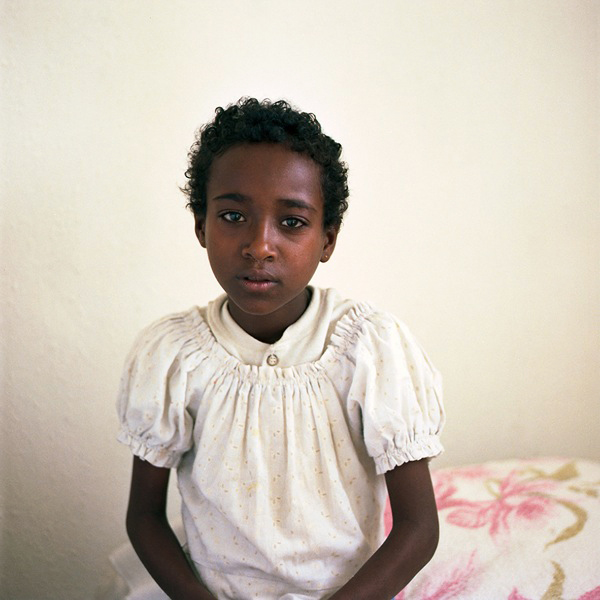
(469, 517)
(388, 519)
(511, 498)
(443, 495)
(533, 508)
(453, 586)
(591, 595)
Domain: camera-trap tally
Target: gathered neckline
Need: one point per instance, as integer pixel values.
(343, 335)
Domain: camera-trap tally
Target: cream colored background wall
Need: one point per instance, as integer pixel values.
(472, 133)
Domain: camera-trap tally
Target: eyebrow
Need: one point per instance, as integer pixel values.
(234, 197)
(295, 203)
(288, 202)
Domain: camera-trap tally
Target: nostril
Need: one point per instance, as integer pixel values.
(259, 250)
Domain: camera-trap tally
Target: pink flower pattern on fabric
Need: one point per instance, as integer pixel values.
(513, 499)
(514, 530)
(453, 586)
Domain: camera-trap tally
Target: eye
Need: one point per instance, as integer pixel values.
(232, 216)
(293, 223)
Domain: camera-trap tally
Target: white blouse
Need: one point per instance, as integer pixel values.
(280, 449)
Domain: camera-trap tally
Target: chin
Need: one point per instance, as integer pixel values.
(257, 308)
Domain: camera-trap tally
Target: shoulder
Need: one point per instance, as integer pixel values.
(361, 321)
(173, 323)
(170, 336)
(382, 328)
(361, 313)
(152, 399)
(393, 384)
(367, 333)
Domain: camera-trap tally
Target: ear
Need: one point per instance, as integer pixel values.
(199, 228)
(330, 238)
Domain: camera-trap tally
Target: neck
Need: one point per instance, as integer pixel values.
(269, 328)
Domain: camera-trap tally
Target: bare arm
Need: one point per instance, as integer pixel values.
(152, 537)
(411, 543)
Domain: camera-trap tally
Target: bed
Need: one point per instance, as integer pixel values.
(512, 530)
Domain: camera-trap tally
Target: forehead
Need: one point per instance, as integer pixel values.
(265, 169)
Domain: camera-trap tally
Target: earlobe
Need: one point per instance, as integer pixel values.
(200, 224)
(330, 239)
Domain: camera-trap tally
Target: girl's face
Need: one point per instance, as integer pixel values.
(263, 231)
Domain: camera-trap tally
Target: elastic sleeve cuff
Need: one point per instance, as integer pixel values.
(426, 446)
(157, 456)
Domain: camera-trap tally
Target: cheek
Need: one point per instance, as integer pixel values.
(308, 260)
(216, 252)
(214, 240)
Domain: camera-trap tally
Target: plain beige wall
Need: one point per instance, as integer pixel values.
(472, 133)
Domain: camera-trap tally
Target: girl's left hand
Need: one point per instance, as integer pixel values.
(411, 542)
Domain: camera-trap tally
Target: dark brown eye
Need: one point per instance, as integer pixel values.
(293, 222)
(232, 216)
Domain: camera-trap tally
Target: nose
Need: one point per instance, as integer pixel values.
(260, 246)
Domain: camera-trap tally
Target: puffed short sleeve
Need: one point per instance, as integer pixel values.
(399, 393)
(151, 405)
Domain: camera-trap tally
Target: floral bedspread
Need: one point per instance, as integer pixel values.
(509, 530)
(515, 530)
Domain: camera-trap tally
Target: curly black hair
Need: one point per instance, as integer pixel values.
(251, 121)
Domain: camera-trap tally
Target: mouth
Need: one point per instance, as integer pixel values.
(257, 281)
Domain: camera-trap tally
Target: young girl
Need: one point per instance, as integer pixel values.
(289, 413)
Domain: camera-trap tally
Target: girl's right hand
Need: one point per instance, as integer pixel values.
(152, 536)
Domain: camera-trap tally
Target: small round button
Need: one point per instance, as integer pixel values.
(272, 360)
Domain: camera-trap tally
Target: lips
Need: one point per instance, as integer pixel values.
(257, 277)
(257, 281)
